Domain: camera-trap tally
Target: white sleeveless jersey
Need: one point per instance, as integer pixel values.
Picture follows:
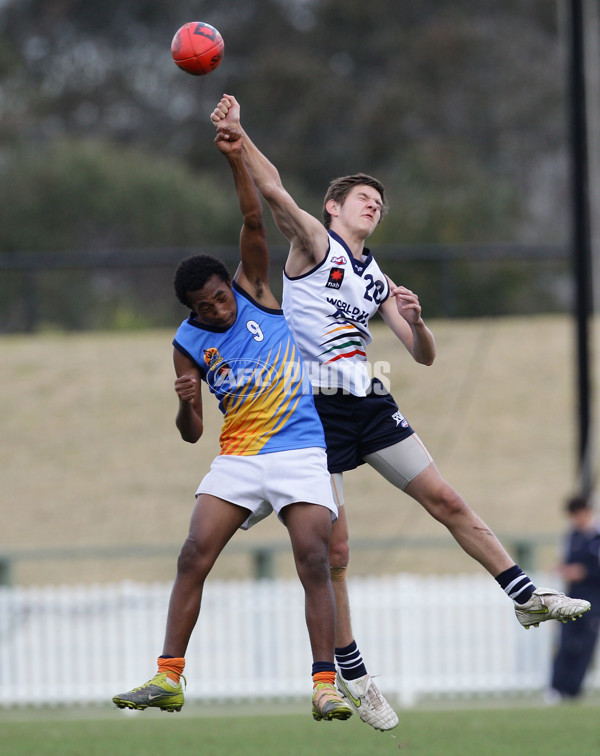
(328, 310)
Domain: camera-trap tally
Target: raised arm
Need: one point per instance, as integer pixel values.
(253, 271)
(308, 237)
(402, 313)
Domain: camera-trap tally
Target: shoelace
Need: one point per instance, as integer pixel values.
(374, 697)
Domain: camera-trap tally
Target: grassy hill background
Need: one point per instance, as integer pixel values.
(91, 458)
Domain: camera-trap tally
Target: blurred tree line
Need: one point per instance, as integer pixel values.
(458, 106)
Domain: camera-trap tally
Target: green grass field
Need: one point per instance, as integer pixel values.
(527, 731)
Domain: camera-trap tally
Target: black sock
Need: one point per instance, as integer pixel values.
(321, 666)
(516, 584)
(350, 661)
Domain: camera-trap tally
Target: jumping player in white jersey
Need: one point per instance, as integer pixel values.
(332, 287)
(272, 458)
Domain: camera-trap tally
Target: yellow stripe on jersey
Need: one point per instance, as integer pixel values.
(253, 416)
(339, 328)
(256, 421)
(277, 403)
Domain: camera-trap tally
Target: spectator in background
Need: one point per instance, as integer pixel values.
(581, 573)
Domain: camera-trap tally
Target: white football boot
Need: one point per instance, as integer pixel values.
(368, 702)
(546, 604)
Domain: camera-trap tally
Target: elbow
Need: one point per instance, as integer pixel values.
(425, 359)
(254, 220)
(189, 434)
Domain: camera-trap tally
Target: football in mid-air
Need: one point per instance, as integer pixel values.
(197, 48)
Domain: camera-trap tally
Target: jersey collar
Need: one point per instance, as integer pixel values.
(359, 266)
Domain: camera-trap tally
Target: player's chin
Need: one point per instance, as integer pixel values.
(369, 224)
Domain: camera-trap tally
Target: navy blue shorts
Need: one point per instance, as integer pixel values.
(359, 425)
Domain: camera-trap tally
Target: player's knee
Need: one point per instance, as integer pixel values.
(449, 505)
(312, 565)
(339, 554)
(193, 559)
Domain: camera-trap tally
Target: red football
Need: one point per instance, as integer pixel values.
(197, 48)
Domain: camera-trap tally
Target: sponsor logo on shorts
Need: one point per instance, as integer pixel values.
(336, 276)
(400, 419)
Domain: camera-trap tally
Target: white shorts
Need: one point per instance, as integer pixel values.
(265, 483)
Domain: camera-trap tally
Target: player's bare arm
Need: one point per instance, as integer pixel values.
(308, 238)
(401, 312)
(253, 272)
(187, 387)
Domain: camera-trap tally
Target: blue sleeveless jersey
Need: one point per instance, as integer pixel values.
(255, 370)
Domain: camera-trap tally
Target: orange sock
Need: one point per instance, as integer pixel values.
(172, 667)
(324, 677)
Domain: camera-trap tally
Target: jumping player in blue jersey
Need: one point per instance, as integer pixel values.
(272, 458)
(332, 287)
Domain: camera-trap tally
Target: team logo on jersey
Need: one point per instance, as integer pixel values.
(216, 363)
(339, 260)
(242, 376)
(336, 276)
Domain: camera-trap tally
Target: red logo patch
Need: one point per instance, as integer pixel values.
(336, 276)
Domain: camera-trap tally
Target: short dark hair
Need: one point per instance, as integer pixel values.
(193, 273)
(576, 504)
(339, 189)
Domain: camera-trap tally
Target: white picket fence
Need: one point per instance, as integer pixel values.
(426, 636)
